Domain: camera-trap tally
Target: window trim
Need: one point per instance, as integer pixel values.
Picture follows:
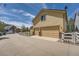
(43, 17)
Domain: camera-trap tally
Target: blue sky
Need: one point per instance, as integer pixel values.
(23, 14)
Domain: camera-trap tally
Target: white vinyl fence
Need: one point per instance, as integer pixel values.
(70, 37)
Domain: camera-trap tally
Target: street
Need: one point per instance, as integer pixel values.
(18, 45)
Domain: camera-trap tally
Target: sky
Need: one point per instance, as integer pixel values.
(20, 14)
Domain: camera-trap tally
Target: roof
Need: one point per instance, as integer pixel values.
(54, 10)
(7, 27)
(50, 10)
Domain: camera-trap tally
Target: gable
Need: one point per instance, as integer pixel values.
(56, 13)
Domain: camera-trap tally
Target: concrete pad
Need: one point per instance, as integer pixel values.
(46, 38)
(18, 45)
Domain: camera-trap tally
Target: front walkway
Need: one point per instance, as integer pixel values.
(15, 44)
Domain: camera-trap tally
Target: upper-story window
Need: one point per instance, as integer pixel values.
(43, 18)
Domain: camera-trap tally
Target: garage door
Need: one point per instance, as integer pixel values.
(51, 32)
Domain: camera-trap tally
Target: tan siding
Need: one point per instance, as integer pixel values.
(64, 23)
(52, 21)
(57, 13)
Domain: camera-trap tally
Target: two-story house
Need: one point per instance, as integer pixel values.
(9, 29)
(50, 23)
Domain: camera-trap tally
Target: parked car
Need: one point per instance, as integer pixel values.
(0, 33)
(4, 33)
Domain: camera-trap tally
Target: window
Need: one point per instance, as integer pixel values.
(43, 18)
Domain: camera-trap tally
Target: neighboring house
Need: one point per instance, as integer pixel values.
(50, 23)
(10, 29)
(18, 30)
(77, 21)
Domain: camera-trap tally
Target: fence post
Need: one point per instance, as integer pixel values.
(62, 37)
(74, 34)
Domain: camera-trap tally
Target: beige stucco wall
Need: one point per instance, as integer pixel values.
(51, 20)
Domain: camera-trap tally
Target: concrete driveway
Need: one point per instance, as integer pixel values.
(18, 45)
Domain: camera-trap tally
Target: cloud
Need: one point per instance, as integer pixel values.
(17, 24)
(28, 14)
(76, 10)
(73, 13)
(44, 5)
(2, 10)
(11, 14)
(14, 22)
(3, 18)
(17, 11)
(24, 13)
